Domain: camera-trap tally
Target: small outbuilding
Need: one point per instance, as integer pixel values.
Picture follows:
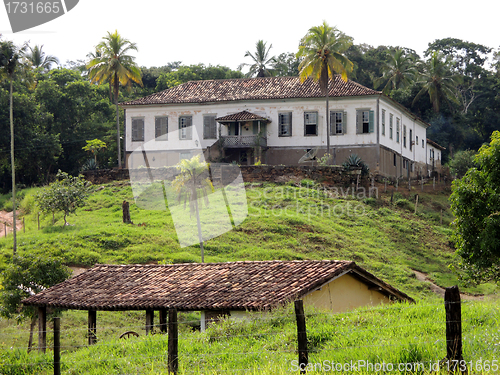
(216, 289)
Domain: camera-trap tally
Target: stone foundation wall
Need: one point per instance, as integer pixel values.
(252, 173)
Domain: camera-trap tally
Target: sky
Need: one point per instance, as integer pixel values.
(219, 32)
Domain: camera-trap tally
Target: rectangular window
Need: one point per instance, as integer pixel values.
(383, 122)
(391, 118)
(138, 129)
(185, 127)
(337, 122)
(285, 124)
(416, 140)
(404, 135)
(364, 121)
(395, 160)
(310, 123)
(411, 139)
(397, 130)
(209, 127)
(422, 143)
(161, 128)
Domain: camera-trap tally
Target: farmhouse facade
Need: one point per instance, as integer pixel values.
(276, 120)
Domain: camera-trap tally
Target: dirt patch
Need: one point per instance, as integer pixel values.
(6, 220)
(440, 291)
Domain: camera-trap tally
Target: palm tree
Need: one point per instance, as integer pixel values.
(113, 65)
(322, 52)
(10, 59)
(39, 59)
(191, 184)
(399, 70)
(438, 81)
(261, 60)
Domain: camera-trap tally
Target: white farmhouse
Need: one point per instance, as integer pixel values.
(276, 120)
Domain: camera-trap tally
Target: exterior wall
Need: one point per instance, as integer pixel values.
(343, 294)
(286, 150)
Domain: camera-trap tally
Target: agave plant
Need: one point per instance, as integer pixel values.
(355, 162)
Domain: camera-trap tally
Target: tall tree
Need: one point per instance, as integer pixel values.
(193, 183)
(10, 59)
(261, 61)
(112, 64)
(438, 81)
(398, 71)
(322, 51)
(39, 59)
(286, 65)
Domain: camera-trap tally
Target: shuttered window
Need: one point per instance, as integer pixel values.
(310, 123)
(365, 120)
(138, 129)
(161, 128)
(391, 120)
(397, 130)
(383, 122)
(209, 127)
(185, 127)
(338, 121)
(285, 124)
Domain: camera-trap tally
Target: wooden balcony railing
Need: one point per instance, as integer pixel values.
(238, 141)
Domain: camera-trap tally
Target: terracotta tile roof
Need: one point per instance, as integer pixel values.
(430, 141)
(241, 116)
(255, 285)
(226, 90)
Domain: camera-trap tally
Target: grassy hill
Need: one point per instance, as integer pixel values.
(296, 220)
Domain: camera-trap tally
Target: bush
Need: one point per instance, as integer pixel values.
(355, 162)
(28, 204)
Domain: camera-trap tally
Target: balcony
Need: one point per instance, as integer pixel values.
(243, 141)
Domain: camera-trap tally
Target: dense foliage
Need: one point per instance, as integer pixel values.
(475, 201)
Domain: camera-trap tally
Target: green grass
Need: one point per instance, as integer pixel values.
(266, 343)
(286, 221)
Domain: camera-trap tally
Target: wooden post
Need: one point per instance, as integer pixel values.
(173, 340)
(397, 183)
(453, 308)
(126, 212)
(92, 327)
(150, 320)
(301, 335)
(163, 320)
(57, 346)
(42, 329)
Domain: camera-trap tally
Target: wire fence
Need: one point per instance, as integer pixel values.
(395, 338)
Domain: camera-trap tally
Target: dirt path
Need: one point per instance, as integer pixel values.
(7, 218)
(440, 291)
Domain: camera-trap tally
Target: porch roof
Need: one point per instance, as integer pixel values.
(247, 285)
(241, 116)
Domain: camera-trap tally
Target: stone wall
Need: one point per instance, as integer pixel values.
(253, 173)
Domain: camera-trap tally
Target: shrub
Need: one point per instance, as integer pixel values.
(354, 162)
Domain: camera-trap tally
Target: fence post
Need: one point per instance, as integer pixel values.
(453, 310)
(173, 340)
(301, 336)
(57, 346)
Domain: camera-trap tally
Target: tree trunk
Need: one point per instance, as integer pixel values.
(327, 124)
(13, 167)
(32, 327)
(118, 123)
(200, 237)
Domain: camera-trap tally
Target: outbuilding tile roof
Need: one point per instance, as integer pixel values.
(226, 90)
(249, 285)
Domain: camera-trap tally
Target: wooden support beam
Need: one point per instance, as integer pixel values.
(173, 357)
(301, 335)
(150, 320)
(163, 320)
(42, 329)
(92, 333)
(453, 308)
(57, 346)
